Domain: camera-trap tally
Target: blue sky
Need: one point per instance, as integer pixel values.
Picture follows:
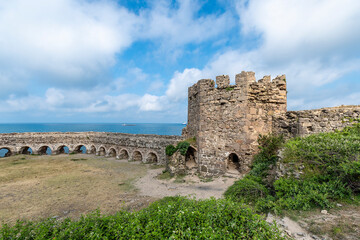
(132, 61)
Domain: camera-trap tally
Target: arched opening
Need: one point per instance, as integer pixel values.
(233, 163)
(80, 149)
(45, 150)
(5, 152)
(190, 158)
(112, 152)
(102, 151)
(62, 150)
(124, 154)
(137, 156)
(93, 150)
(151, 158)
(26, 150)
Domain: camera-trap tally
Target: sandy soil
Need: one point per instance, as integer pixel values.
(35, 187)
(191, 185)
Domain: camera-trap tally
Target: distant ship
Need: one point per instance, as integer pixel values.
(125, 124)
(184, 123)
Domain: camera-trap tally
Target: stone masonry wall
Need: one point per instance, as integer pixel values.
(146, 146)
(228, 118)
(304, 123)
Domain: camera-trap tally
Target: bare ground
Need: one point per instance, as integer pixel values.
(190, 185)
(35, 187)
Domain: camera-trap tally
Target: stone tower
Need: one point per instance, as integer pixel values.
(227, 119)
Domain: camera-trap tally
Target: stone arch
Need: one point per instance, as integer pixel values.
(45, 150)
(26, 150)
(5, 152)
(63, 149)
(112, 152)
(137, 156)
(92, 150)
(81, 149)
(152, 158)
(124, 154)
(102, 151)
(190, 158)
(233, 163)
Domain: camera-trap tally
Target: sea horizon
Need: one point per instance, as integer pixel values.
(123, 127)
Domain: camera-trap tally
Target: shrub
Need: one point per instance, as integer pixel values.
(170, 150)
(309, 193)
(269, 146)
(169, 218)
(183, 147)
(247, 189)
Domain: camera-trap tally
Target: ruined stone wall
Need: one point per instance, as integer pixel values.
(192, 126)
(101, 143)
(304, 123)
(265, 98)
(228, 118)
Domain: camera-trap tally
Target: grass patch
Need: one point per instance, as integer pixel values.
(180, 178)
(78, 159)
(165, 175)
(206, 179)
(57, 186)
(156, 166)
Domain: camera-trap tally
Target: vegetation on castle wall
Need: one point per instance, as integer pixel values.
(182, 147)
(170, 150)
(169, 218)
(329, 164)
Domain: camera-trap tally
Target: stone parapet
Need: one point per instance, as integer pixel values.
(307, 122)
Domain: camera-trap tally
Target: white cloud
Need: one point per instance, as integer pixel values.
(177, 89)
(178, 26)
(63, 40)
(152, 103)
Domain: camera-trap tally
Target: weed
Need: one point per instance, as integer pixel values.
(78, 159)
(206, 179)
(165, 175)
(180, 178)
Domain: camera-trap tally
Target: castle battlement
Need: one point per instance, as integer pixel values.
(246, 88)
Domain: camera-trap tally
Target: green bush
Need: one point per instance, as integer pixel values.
(169, 218)
(269, 146)
(247, 189)
(328, 154)
(170, 150)
(183, 147)
(309, 193)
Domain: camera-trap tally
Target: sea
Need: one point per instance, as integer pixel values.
(134, 128)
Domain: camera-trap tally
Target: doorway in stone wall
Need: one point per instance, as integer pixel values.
(190, 160)
(233, 164)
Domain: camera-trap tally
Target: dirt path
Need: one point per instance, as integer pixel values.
(192, 186)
